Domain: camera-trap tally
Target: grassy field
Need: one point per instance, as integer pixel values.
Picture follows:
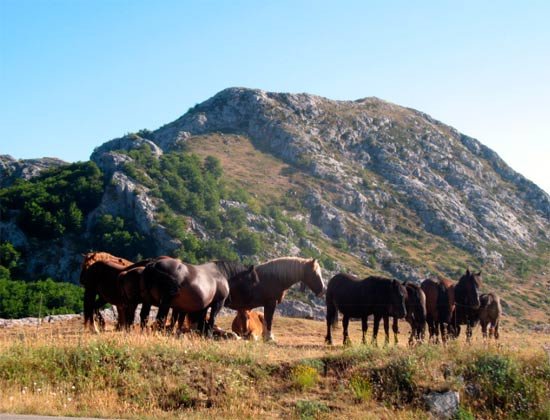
(60, 370)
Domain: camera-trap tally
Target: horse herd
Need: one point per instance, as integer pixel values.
(194, 291)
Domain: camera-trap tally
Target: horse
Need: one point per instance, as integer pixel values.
(98, 276)
(266, 284)
(440, 306)
(415, 302)
(379, 296)
(466, 303)
(248, 324)
(490, 311)
(187, 288)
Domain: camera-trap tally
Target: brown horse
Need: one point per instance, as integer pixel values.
(266, 284)
(466, 303)
(98, 276)
(170, 283)
(248, 324)
(490, 311)
(440, 306)
(415, 303)
(355, 298)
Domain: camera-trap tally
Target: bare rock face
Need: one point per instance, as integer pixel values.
(12, 169)
(443, 405)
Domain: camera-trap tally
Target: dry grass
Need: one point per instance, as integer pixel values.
(59, 369)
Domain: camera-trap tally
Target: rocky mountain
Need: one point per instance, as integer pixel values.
(12, 169)
(376, 187)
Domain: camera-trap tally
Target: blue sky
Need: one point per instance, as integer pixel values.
(75, 73)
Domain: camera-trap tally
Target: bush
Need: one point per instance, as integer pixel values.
(248, 243)
(304, 376)
(309, 409)
(361, 388)
(504, 386)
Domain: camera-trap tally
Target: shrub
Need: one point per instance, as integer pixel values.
(361, 388)
(310, 409)
(248, 243)
(304, 376)
(504, 386)
(395, 382)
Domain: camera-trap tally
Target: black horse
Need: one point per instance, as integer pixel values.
(466, 303)
(416, 313)
(379, 296)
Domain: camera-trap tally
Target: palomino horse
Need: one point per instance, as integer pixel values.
(98, 276)
(265, 285)
(489, 313)
(440, 306)
(415, 303)
(356, 298)
(170, 283)
(248, 324)
(467, 303)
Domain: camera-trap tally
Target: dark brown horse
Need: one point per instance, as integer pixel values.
(466, 303)
(100, 287)
(267, 283)
(186, 288)
(440, 306)
(415, 303)
(356, 298)
(490, 311)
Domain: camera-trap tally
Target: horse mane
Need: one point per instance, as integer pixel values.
(286, 268)
(92, 257)
(230, 268)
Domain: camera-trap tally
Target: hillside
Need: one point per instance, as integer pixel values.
(367, 186)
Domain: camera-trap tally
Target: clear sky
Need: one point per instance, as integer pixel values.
(76, 73)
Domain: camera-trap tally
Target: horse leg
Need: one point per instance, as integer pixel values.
(375, 329)
(495, 330)
(164, 307)
(395, 329)
(269, 310)
(144, 315)
(484, 329)
(364, 327)
(214, 309)
(121, 317)
(443, 333)
(181, 322)
(468, 331)
(345, 325)
(201, 321)
(386, 319)
(89, 309)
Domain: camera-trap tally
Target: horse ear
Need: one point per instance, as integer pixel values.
(468, 271)
(313, 261)
(479, 274)
(250, 269)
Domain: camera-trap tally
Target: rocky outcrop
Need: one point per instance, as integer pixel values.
(12, 169)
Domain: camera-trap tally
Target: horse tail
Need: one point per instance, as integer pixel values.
(443, 310)
(332, 312)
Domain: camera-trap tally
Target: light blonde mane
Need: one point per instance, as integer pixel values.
(93, 257)
(289, 269)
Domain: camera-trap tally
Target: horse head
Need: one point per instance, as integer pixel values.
(314, 278)
(467, 288)
(398, 299)
(241, 285)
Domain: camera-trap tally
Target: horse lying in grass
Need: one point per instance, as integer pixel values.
(248, 324)
(356, 298)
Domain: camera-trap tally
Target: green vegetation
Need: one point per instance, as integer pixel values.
(46, 297)
(56, 202)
